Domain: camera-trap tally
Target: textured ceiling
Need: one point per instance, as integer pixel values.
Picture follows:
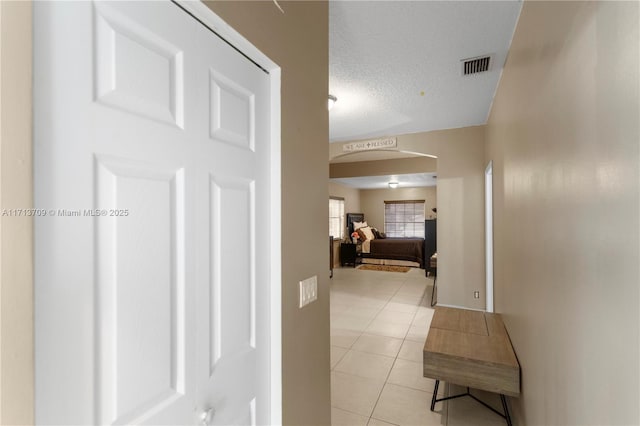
(395, 65)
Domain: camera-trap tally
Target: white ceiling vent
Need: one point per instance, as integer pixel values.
(476, 65)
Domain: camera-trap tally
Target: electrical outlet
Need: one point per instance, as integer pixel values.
(308, 290)
(476, 295)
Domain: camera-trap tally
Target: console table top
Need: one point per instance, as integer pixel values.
(471, 348)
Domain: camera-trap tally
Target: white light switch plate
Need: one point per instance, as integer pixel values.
(308, 290)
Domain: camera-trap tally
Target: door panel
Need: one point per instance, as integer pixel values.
(152, 294)
(140, 304)
(136, 69)
(234, 206)
(233, 323)
(232, 110)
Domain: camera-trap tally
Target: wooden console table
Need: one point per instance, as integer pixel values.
(471, 349)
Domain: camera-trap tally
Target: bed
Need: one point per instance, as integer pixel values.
(389, 251)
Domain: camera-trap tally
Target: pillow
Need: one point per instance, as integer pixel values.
(376, 233)
(358, 225)
(367, 233)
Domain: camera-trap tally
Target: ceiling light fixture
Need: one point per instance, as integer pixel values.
(332, 101)
(393, 185)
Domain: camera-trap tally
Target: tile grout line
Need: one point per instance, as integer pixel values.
(361, 333)
(387, 299)
(394, 361)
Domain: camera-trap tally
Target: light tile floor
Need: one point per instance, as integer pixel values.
(379, 322)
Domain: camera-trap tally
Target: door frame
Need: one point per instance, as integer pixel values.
(488, 234)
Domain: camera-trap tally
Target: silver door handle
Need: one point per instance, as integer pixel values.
(206, 416)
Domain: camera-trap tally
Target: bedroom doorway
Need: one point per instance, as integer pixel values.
(154, 147)
(488, 217)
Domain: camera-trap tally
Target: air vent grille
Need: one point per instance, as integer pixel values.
(476, 65)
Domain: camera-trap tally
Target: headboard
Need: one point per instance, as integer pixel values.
(353, 217)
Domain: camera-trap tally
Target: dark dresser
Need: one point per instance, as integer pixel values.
(330, 256)
(430, 243)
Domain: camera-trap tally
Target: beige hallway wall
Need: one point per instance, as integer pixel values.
(383, 167)
(298, 42)
(564, 137)
(16, 232)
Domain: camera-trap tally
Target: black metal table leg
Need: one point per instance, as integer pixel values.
(506, 416)
(433, 291)
(503, 400)
(435, 393)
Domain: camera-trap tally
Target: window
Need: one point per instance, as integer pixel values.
(404, 218)
(336, 217)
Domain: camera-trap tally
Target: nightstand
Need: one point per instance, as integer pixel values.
(349, 254)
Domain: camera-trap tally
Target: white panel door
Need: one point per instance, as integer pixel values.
(152, 154)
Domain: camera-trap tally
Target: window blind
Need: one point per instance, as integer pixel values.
(336, 217)
(404, 218)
